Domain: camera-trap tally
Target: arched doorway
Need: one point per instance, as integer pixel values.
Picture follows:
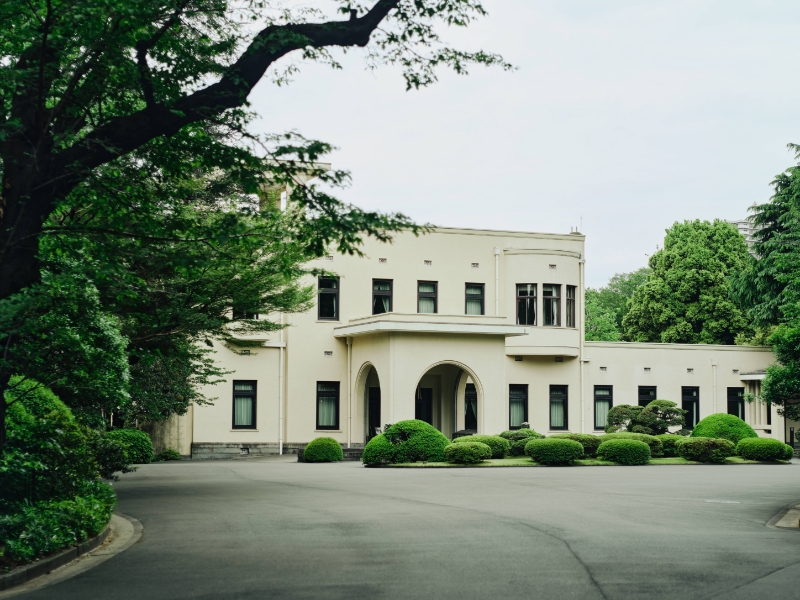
(369, 384)
(449, 397)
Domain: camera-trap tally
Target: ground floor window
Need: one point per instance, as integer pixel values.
(327, 405)
(558, 407)
(690, 402)
(471, 407)
(517, 405)
(603, 401)
(244, 405)
(736, 402)
(423, 405)
(647, 393)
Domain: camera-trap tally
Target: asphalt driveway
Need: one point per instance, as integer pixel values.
(274, 528)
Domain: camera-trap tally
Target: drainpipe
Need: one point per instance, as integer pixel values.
(349, 390)
(714, 378)
(280, 389)
(497, 282)
(582, 334)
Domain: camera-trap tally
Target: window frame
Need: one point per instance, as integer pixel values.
(523, 387)
(570, 306)
(382, 293)
(534, 298)
(646, 387)
(434, 295)
(335, 427)
(482, 298)
(239, 315)
(610, 388)
(334, 292)
(739, 400)
(236, 393)
(549, 299)
(566, 408)
(690, 399)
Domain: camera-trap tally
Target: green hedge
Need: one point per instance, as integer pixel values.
(764, 449)
(168, 454)
(518, 446)
(554, 451)
(138, 446)
(406, 441)
(589, 442)
(626, 452)
(500, 446)
(467, 453)
(724, 426)
(378, 451)
(323, 449)
(521, 434)
(669, 443)
(703, 449)
(656, 448)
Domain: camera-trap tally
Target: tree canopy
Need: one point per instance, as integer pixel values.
(607, 306)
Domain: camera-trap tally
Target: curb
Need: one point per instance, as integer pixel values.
(788, 518)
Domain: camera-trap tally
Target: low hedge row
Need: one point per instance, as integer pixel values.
(625, 451)
(704, 449)
(500, 446)
(656, 448)
(467, 453)
(589, 442)
(554, 451)
(669, 443)
(521, 434)
(764, 449)
(323, 449)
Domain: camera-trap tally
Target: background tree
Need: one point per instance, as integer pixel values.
(600, 324)
(686, 297)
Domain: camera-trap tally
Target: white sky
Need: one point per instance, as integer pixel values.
(633, 115)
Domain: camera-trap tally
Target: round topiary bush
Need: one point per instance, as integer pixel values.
(656, 449)
(378, 451)
(323, 449)
(554, 451)
(763, 449)
(521, 434)
(703, 449)
(668, 443)
(415, 440)
(625, 452)
(500, 447)
(589, 442)
(137, 444)
(467, 453)
(723, 426)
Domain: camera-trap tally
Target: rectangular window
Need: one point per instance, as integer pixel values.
(736, 402)
(244, 405)
(517, 405)
(647, 393)
(328, 298)
(474, 299)
(558, 407)
(571, 306)
(690, 402)
(526, 304)
(426, 297)
(603, 401)
(327, 405)
(241, 313)
(381, 296)
(471, 408)
(551, 301)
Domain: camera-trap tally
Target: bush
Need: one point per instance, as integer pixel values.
(703, 449)
(467, 453)
(589, 442)
(656, 449)
(668, 443)
(500, 447)
(169, 454)
(521, 434)
(763, 449)
(626, 452)
(406, 441)
(554, 451)
(323, 449)
(137, 444)
(621, 417)
(378, 451)
(724, 426)
(518, 446)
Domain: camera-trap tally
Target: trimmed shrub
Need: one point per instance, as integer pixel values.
(625, 452)
(138, 447)
(656, 449)
(168, 454)
(378, 451)
(521, 434)
(406, 441)
(724, 426)
(500, 447)
(518, 446)
(763, 449)
(668, 443)
(589, 442)
(554, 451)
(467, 453)
(323, 449)
(788, 452)
(704, 449)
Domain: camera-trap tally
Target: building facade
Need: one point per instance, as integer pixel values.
(466, 329)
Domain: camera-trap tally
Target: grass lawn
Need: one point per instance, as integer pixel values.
(524, 461)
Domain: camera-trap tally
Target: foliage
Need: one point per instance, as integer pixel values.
(656, 449)
(518, 446)
(500, 446)
(411, 441)
(622, 417)
(554, 451)
(467, 453)
(669, 443)
(706, 449)
(764, 449)
(520, 434)
(323, 449)
(378, 451)
(168, 454)
(626, 452)
(654, 419)
(599, 323)
(606, 307)
(686, 297)
(137, 444)
(721, 425)
(589, 442)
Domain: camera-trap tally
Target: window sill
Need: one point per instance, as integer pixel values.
(328, 321)
(244, 430)
(328, 431)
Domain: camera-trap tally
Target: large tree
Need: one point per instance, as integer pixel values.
(607, 306)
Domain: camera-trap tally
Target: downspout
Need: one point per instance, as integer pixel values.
(582, 334)
(497, 282)
(349, 390)
(281, 350)
(714, 379)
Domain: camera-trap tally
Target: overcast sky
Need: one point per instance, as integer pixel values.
(629, 115)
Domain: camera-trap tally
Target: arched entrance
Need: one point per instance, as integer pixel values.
(368, 384)
(449, 397)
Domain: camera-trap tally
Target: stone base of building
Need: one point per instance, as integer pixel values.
(217, 451)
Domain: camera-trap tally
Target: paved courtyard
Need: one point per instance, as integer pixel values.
(273, 528)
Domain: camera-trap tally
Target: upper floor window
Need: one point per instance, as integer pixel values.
(244, 405)
(243, 312)
(570, 306)
(551, 300)
(474, 299)
(328, 298)
(381, 296)
(426, 297)
(526, 304)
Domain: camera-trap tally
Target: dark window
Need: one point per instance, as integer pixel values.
(769, 414)
(526, 304)
(517, 405)
(558, 407)
(244, 404)
(381, 296)
(647, 393)
(471, 407)
(241, 313)
(570, 306)
(426, 297)
(603, 401)
(736, 402)
(374, 416)
(327, 405)
(423, 405)
(551, 304)
(328, 298)
(474, 300)
(690, 402)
